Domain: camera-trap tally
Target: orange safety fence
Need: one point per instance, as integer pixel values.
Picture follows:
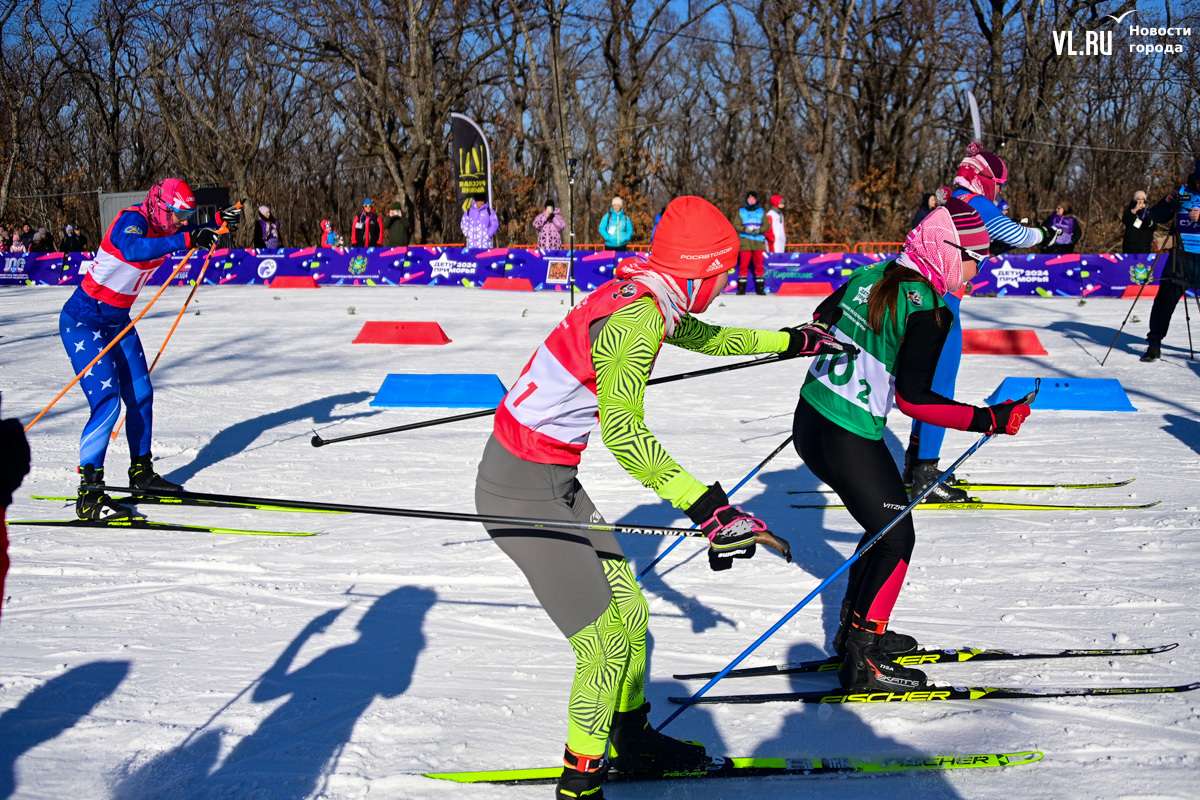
(818, 247)
(878, 247)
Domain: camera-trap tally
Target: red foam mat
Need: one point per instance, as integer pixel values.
(991, 342)
(1151, 290)
(294, 282)
(805, 289)
(508, 284)
(402, 333)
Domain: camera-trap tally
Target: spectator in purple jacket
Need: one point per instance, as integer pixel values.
(479, 223)
(1072, 230)
(550, 226)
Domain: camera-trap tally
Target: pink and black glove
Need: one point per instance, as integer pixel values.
(815, 339)
(732, 533)
(1008, 416)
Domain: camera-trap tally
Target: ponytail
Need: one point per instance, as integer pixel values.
(885, 293)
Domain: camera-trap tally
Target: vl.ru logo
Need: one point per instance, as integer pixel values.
(1095, 43)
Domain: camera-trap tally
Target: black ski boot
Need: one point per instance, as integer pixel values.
(1153, 352)
(581, 777)
(866, 667)
(634, 746)
(760, 287)
(143, 476)
(93, 503)
(910, 460)
(741, 284)
(893, 644)
(925, 471)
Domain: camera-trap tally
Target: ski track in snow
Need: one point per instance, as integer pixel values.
(141, 664)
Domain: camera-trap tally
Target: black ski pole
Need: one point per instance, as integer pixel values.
(420, 513)
(1141, 289)
(317, 441)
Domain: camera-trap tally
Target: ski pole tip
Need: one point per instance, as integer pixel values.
(317, 441)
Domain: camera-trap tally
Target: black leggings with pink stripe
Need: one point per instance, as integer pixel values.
(865, 476)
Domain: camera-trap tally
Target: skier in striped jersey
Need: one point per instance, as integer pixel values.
(978, 182)
(594, 368)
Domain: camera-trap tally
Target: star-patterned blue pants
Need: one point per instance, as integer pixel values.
(122, 375)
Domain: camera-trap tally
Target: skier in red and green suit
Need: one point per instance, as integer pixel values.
(594, 369)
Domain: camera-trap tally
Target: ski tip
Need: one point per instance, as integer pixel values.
(1017, 759)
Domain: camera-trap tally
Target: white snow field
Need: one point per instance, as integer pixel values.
(142, 664)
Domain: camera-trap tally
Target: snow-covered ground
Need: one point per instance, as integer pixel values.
(149, 664)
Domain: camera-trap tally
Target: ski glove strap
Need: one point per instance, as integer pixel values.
(815, 339)
(1008, 416)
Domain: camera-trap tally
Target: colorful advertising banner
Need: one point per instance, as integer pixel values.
(1072, 275)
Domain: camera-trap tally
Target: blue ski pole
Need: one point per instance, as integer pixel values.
(741, 483)
(1029, 398)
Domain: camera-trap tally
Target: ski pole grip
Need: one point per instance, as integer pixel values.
(1029, 398)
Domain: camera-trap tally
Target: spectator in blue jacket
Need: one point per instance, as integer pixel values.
(615, 225)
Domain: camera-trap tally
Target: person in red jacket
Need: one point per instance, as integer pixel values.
(14, 466)
(367, 230)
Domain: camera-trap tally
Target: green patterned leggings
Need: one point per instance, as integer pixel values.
(610, 662)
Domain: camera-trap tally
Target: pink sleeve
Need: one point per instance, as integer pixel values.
(945, 415)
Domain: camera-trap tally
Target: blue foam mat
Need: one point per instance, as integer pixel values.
(440, 391)
(1067, 394)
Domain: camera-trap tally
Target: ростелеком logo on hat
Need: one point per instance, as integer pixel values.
(1100, 43)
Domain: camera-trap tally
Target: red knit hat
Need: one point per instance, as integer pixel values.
(693, 240)
(776, 199)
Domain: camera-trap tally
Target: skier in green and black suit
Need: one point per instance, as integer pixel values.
(894, 312)
(594, 368)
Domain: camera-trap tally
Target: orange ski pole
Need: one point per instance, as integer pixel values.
(110, 345)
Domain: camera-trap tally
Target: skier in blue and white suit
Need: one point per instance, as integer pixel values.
(978, 181)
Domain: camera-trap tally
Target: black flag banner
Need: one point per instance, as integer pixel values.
(472, 159)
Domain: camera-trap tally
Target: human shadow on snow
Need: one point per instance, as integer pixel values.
(240, 435)
(294, 747)
(52, 708)
(1184, 429)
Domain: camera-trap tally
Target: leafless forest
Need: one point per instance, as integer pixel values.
(849, 108)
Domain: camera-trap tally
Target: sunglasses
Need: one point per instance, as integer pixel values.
(182, 214)
(978, 258)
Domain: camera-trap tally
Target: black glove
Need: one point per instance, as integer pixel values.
(1049, 234)
(14, 458)
(230, 217)
(203, 239)
(732, 533)
(815, 339)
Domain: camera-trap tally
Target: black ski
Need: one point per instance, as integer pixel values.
(129, 500)
(138, 523)
(971, 486)
(934, 693)
(921, 657)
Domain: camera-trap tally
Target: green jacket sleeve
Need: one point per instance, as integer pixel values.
(623, 354)
(692, 334)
